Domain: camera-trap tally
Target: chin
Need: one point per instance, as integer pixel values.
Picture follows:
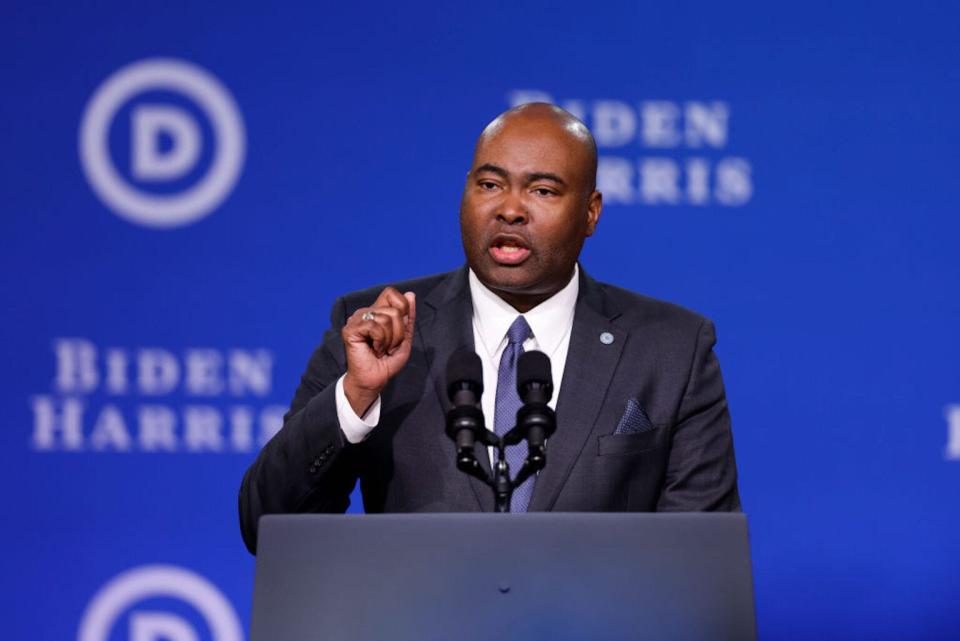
(497, 272)
(511, 279)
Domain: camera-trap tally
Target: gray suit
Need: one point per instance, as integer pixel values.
(661, 359)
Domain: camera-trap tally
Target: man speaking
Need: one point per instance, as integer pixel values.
(642, 420)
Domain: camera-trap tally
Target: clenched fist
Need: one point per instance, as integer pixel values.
(377, 340)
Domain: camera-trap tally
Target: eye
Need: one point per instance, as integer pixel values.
(544, 191)
(487, 185)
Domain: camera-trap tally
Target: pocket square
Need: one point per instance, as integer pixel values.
(634, 419)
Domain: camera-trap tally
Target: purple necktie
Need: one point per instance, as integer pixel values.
(507, 404)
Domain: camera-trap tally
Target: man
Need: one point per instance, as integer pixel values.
(642, 421)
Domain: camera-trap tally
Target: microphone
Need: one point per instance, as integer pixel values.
(464, 388)
(534, 378)
(537, 421)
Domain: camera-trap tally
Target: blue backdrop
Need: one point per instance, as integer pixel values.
(187, 188)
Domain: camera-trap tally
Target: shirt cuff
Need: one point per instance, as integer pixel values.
(354, 427)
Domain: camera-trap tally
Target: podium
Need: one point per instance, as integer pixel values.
(503, 577)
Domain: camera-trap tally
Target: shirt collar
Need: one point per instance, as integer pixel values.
(550, 321)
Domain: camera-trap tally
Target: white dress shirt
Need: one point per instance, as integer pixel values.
(551, 322)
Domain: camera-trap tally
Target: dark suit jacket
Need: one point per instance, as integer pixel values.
(661, 357)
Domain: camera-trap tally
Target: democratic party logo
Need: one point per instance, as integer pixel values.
(162, 142)
(159, 603)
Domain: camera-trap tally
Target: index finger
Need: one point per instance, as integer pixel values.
(390, 297)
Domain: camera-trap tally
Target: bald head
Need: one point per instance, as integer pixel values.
(548, 120)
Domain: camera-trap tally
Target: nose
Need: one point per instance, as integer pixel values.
(512, 211)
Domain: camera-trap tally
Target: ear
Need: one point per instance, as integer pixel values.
(594, 207)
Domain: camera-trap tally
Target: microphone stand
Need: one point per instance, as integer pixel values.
(535, 421)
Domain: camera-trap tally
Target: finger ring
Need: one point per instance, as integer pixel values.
(368, 315)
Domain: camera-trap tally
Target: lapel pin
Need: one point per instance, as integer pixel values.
(606, 338)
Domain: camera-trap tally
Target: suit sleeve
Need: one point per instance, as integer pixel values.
(701, 472)
(308, 466)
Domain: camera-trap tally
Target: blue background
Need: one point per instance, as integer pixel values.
(834, 289)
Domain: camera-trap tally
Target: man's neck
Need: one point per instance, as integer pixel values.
(523, 302)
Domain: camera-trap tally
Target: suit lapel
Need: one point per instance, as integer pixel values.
(446, 326)
(586, 376)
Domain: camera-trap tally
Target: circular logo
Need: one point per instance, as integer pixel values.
(202, 88)
(153, 581)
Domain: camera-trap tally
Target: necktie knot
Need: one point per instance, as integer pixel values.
(519, 331)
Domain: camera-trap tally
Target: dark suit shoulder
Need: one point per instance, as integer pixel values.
(635, 308)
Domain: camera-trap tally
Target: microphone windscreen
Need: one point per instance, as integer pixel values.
(533, 366)
(465, 366)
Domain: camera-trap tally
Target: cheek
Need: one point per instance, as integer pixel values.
(467, 227)
(474, 218)
(465, 217)
(563, 239)
(470, 236)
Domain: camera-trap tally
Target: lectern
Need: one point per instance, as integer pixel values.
(503, 577)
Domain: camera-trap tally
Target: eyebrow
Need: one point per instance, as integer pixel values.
(529, 178)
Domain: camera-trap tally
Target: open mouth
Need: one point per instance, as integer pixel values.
(509, 250)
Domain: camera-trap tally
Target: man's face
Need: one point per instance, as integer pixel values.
(527, 207)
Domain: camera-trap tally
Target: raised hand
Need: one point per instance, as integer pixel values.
(377, 341)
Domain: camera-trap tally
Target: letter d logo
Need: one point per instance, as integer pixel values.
(166, 142)
(121, 595)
